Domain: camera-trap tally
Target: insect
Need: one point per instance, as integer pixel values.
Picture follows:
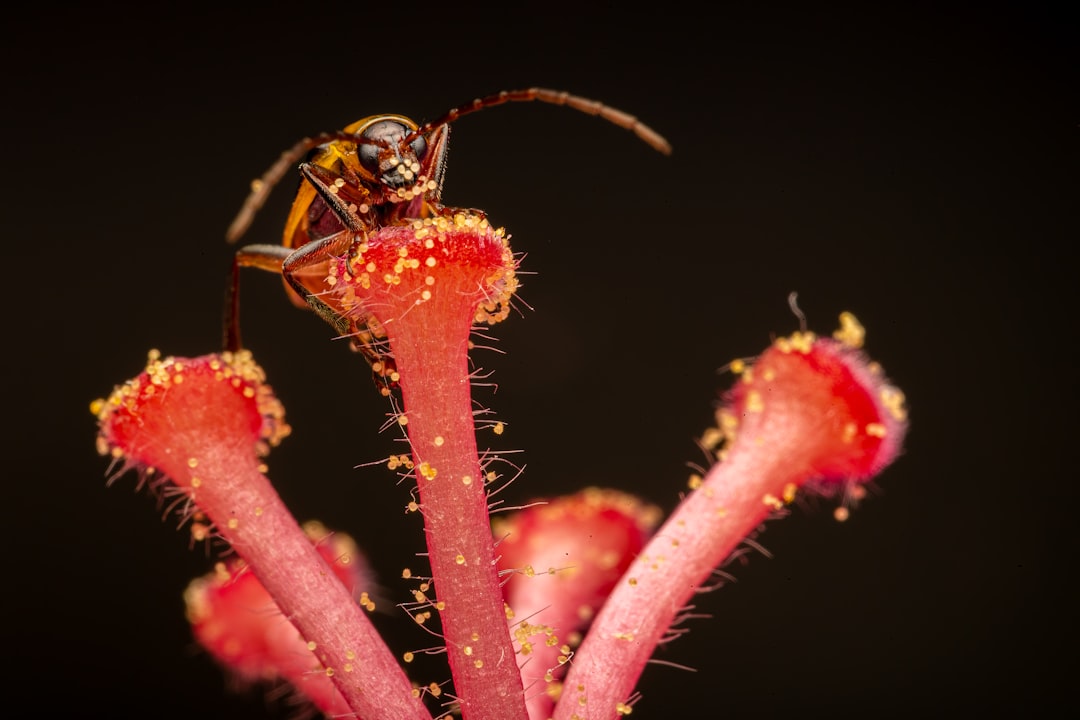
(377, 172)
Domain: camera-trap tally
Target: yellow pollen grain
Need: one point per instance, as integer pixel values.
(439, 440)
(311, 645)
(875, 430)
(893, 400)
(772, 501)
(348, 667)
(429, 280)
(233, 523)
(475, 636)
(370, 267)
(627, 636)
(435, 689)
(330, 672)
(466, 479)
(498, 429)
(406, 574)
(408, 657)
(623, 709)
(632, 582)
(425, 295)
(695, 482)
(737, 366)
(789, 492)
(848, 433)
(841, 514)
(192, 463)
(460, 559)
(249, 392)
(430, 262)
(478, 663)
(412, 507)
(754, 403)
(467, 649)
(851, 332)
(402, 420)
(196, 482)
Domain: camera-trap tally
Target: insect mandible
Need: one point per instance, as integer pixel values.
(379, 171)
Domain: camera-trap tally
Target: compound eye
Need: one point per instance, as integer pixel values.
(419, 146)
(385, 133)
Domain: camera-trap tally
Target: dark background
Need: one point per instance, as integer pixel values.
(916, 167)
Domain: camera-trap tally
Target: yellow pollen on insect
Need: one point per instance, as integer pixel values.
(192, 463)
(330, 672)
(311, 645)
(402, 420)
(772, 501)
(196, 482)
(431, 261)
(467, 649)
(623, 709)
(466, 479)
(435, 689)
(438, 441)
(233, 523)
(695, 482)
(425, 295)
(460, 559)
(406, 574)
(478, 663)
(408, 657)
(426, 471)
(370, 267)
(429, 280)
(789, 492)
(498, 429)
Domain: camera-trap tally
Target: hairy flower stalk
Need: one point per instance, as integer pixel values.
(812, 413)
(420, 288)
(203, 423)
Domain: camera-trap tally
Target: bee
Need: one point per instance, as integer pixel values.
(380, 171)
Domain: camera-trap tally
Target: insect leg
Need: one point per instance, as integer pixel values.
(264, 257)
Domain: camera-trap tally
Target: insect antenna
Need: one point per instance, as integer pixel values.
(554, 97)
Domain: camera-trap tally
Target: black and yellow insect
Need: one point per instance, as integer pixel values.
(380, 171)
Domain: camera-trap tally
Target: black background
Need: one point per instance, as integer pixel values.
(916, 167)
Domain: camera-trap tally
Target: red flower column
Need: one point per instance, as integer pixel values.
(203, 423)
(422, 287)
(810, 413)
